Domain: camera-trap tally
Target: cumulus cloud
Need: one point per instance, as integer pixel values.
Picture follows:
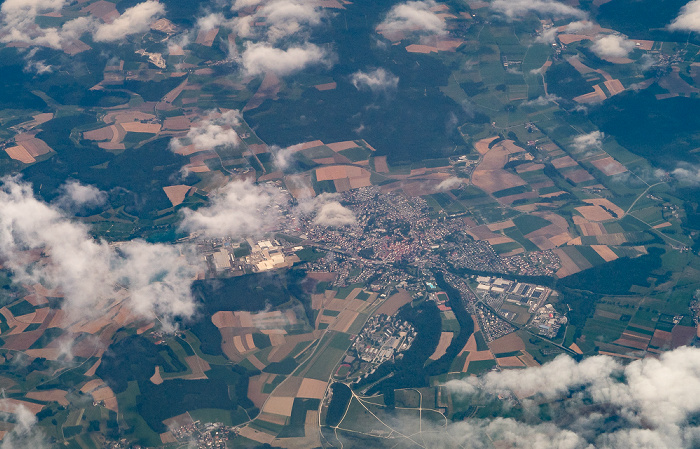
(152, 279)
(216, 130)
(596, 403)
(542, 100)
(260, 58)
(513, 9)
(136, 19)
(585, 142)
(239, 209)
(413, 16)
(18, 23)
(24, 434)
(612, 46)
(283, 156)
(281, 18)
(327, 211)
(688, 18)
(687, 173)
(75, 195)
(378, 80)
(450, 183)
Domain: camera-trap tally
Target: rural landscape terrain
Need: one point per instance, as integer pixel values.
(349, 224)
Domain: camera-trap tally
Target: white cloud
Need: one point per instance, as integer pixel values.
(327, 211)
(450, 183)
(548, 36)
(513, 9)
(413, 16)
(688, 18)
(24, 434)
(153, 279)
(687, 173)
(284, 18)
(136, 19)
(77, 195)
(597, 403)
(378, 80)
(18, 23)
(261, 58)
(612, 46)
(216, 130)
(542, 100)
(283, 156)
(239, 209)
(585, 142)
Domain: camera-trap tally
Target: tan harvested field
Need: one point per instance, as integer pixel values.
(156, 378)
(322, 276)
(568, 266)
(445, 340)
(105, 133)
(138, 127)
(605, 252)
(661, 339)
(343, 321)
(609, 166)
(524, 168)
(102, 394)
(510, 362)
(91, 372)
(255, 385)
(11, 405)
(269, 89)
(312, 388)
(564, 162)
(19, 153)
(589, 228)
(35, 147)
(631, 343)
(49, 396)
(394, 303)
(606, 203)
(380, 165)
(167, 437)
(577, 176)
(206, 37)
(340, 146)
(176, 194)
(326, 86)
(449, 44)
(594, 97)
(507, 343)
(594, 213)
(109, 146)
(179, 123)
(489, 175)
(275, 419)
(567, 39)
(198, 366)
(278, 405)
(500, 225)
(417, 48)
(92, 385)
(256, 435)
(330, 173)
(644, 44)
(614, 87)
(576, 63)
(482, 146)
(574, 347)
